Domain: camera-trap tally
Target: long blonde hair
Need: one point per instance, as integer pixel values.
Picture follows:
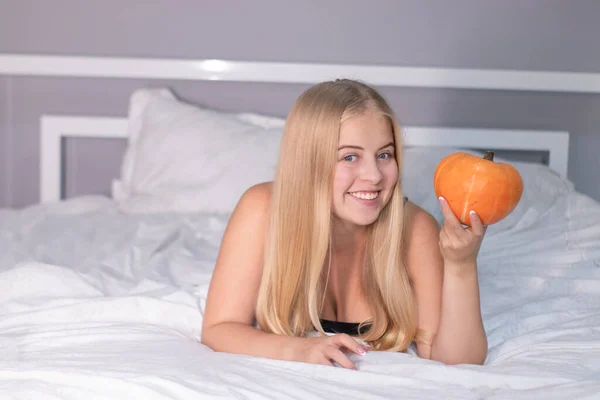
(299, 236)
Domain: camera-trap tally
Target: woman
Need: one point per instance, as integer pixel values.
(332, 247)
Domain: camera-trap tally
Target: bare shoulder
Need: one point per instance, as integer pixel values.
(236, 277)
(426, 269)
(421, 226)
(256, 198)
(249, 217)
(421, 236)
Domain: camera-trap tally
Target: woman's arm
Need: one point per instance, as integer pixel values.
(231, 301)
(461, 338)
(230, 306)
(443, 269)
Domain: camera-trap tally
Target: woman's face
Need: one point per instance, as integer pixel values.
(366, 171)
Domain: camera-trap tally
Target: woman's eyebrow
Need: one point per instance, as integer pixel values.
(349, 146)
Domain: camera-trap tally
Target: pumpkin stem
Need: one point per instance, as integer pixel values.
(489, 155)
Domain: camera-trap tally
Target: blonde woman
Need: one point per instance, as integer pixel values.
(332, 247)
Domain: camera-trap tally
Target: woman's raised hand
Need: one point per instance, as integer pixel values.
(460, 245)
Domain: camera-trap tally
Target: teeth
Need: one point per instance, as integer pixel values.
(365, 195)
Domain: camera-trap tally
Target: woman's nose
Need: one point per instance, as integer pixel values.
(371, 172)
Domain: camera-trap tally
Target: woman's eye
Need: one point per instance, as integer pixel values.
(350, 158)
(384, 156)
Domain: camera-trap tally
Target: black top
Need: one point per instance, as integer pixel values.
(350, 328)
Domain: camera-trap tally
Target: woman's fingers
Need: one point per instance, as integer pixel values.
(348, 342)
(454, 226)
(335, 354)
(450, 219)
(325, 361)
(477, 226)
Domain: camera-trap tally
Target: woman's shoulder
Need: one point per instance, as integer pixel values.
(254, 204)
(420, 226)
(250, 216)
(257, 197)
(421, 240)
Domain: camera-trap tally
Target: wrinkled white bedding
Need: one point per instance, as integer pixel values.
(98, 305)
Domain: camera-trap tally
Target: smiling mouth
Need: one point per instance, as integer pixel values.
(365, 195)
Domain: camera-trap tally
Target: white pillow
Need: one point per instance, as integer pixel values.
(262, 120)
(138, 102)
(185, 158)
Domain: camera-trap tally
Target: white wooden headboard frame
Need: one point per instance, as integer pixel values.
(286, 72)
(55, 128)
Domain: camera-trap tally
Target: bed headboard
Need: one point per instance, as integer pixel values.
(55, 128)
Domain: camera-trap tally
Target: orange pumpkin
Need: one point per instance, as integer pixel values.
(468, 182)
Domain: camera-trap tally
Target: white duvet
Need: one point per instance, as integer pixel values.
(98, 305)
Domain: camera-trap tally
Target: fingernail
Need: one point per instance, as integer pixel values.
(441, 198)
(473, 214)
(361, 351)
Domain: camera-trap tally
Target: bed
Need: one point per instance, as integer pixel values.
(101, 297)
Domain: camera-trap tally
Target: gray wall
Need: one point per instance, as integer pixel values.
(508, 34)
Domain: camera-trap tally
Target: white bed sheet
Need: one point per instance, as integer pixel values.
(98, 305)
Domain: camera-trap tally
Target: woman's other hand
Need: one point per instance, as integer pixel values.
(326, 350)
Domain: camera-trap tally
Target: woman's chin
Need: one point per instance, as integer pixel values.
(360, 221)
